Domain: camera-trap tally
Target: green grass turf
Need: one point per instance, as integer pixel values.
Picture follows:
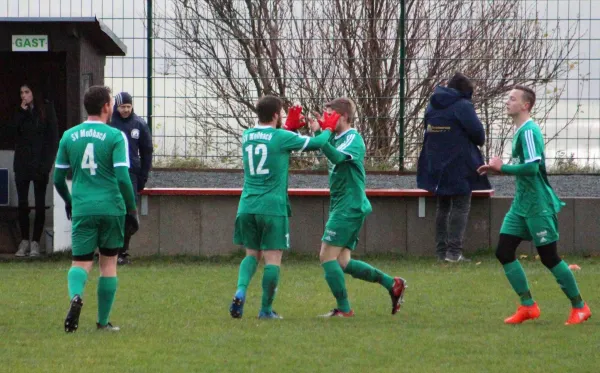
(174, 318)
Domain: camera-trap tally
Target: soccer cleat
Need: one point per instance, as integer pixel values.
(108, 327)
(35, 249)
(397, 293)
(579, 315)
(338, 313)
(123, 259)
(524, 313)
(236, 310)
(72, 319)
(23, 249)
(269, 316)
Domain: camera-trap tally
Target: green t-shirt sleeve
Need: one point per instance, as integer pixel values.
(525, 169)
(291, 141)
(121, 151)
(532, 145)
(62, 157)
(333, 155)
(317, 142)
(353, 147)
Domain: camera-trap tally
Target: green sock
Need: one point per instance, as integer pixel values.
(76, 279)
(247, 270)
(366, 272)
(269, 285)
(107, 287)
(516, 276)
(335, 279)
(568, 284)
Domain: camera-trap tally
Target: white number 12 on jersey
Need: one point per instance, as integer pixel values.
(262, 150)
(88, 159)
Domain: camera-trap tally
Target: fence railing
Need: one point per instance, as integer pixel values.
(212, 59)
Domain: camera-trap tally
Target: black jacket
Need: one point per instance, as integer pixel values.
(450, 156)
(35, 142)
(140, 144)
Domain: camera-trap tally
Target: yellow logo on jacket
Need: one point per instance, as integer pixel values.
(437, 129)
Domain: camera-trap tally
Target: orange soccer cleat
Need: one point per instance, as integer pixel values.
(579, 315)
(524, 313)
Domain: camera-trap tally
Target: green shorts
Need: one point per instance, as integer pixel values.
(342, 232)
(262, 232)
(99, 231)
(542, 230)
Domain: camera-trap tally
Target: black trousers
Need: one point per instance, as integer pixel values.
(39, 188)
(127, 238)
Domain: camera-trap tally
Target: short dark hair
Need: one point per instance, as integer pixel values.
(528, 94)
(461, 83)
(343, 105)
(267, 107)
(95, 98)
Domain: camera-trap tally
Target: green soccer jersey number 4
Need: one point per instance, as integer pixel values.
(534, 196)
(92, 150)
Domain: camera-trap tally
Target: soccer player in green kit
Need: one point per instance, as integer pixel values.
(102, 200)
(261, 225)
(533, 213)
(348, 209)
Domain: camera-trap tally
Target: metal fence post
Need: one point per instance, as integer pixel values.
(402, 83)
(149, 57)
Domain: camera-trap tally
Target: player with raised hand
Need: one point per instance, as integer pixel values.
(261, 224)
(348, 209)
(101, 202)
(533, 213)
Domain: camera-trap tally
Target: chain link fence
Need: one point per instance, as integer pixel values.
(213, 58)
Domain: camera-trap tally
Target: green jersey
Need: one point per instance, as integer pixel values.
(347, 177)
(266, 156)
(92, 150)
(534, 196)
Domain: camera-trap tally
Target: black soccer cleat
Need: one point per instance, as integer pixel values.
(108, 327)
(123, 259)
(397, 294)
(72, 319)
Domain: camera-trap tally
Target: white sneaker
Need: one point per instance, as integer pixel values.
(35, 249)
(23, 249)
(457, 258)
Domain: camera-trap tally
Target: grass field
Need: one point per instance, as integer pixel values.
(174, 318)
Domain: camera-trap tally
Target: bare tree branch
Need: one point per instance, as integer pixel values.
(236, 51)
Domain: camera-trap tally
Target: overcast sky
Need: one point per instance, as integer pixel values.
(126, 19)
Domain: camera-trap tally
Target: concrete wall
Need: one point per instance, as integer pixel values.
(203, 225)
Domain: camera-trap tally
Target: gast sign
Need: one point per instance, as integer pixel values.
(30, 43)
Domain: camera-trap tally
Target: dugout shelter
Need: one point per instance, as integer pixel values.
(61, 58)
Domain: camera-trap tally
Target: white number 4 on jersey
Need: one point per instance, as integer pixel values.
(88, 159)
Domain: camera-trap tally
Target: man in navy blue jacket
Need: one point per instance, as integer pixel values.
(140, 151)
(449, 160)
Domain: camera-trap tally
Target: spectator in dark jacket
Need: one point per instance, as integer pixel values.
(34, 130)
(449, 160)
(140, 151)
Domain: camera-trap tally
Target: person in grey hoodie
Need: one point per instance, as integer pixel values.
(140, 152)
